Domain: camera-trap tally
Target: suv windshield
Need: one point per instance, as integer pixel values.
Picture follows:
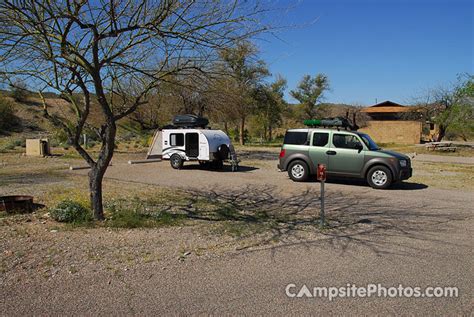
(369, 142)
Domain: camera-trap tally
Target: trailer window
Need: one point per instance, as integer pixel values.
(177, 139)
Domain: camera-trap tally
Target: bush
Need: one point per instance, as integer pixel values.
(20, 142)
(8, 120)
(11, 144)
(19, 92)
(71, 212)
(19, 95)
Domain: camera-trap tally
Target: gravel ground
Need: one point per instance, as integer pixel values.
(413, 234)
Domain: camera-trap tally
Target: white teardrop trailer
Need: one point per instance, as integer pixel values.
(189, 140)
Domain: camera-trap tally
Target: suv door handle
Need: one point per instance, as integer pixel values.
(331, 152)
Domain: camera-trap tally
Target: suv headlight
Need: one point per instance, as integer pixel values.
(403, 163)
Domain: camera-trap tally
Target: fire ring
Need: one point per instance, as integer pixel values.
(19, 203)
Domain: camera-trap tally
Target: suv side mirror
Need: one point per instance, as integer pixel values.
(359, 147)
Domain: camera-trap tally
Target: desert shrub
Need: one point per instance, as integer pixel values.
(71, 212)
(8, 146)
(20, 142)
(11, 144)
(59, 137)
(31, 126)
(19, 92)
(8, 120)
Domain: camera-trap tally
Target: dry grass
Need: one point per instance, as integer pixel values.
(444, 175)
(420, 149)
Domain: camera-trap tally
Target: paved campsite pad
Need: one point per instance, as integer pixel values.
(415, 235)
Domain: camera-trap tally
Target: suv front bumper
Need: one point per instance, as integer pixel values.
(405, 173)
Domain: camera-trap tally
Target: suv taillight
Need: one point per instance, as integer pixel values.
(282, 153)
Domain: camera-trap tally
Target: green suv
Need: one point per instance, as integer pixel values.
(345, 154)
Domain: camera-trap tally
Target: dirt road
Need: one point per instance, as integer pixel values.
(413, 235)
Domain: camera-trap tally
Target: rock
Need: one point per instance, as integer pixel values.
(54, 231)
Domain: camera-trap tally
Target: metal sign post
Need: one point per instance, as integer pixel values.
(321, 176)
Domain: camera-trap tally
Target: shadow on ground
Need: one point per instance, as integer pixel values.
(360, 182)
(259, 216)
(226, 168)
(257, 155)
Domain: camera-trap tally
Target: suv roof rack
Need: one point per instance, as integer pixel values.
(337, 122)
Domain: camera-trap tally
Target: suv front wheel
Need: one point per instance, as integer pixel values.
(379, 177)
(298, 171)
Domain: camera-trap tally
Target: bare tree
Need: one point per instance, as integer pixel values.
(114, 54)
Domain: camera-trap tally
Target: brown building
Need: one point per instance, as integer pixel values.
(389, 122)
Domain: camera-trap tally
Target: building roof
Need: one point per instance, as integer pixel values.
(387, 107)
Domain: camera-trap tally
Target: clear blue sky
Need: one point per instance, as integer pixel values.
(388, 49)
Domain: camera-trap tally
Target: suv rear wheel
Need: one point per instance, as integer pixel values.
(298, 171)
(379, 177)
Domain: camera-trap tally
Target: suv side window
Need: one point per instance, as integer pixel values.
(296, 138)
(320, 138)
(176, 139)
(345, 141)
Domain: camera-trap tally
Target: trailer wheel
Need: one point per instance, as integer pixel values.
(176, 161)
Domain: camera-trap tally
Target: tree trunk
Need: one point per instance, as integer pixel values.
(270, 136)
(242, 131)
(95, 189)
(226, 128)
(97, 172)
(441, 133)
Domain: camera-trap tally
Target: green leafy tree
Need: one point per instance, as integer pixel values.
(270, 105)
(310, 92)
(453, 108)
(243, 73)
